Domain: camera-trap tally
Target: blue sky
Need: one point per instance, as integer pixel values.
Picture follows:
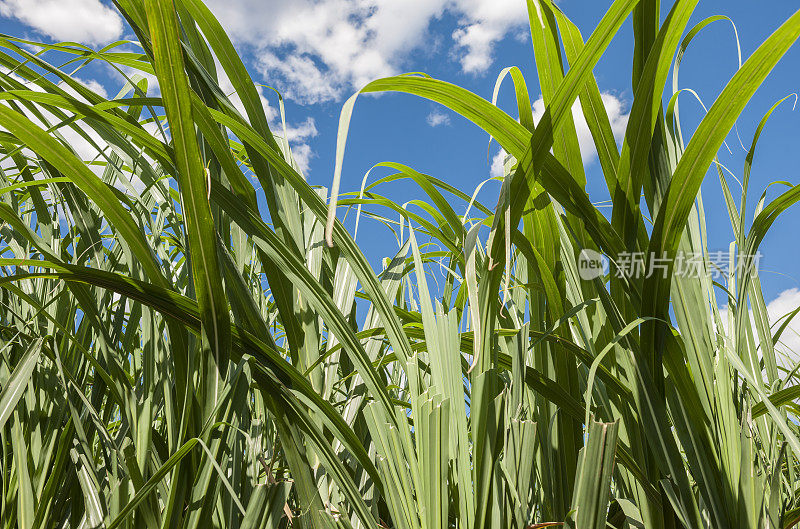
(318, 52)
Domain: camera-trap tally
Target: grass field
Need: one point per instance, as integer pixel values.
(191, 338)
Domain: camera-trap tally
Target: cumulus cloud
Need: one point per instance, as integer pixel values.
(92, 84)
(302, 78)
(788, 347)
(617, 115)
(498, 163)
(302, 155)
(298, 136)
(316, 51)
(85, 21)
(312, 50)
(84, 146)
(789, 343)
(482, 25)
(307, 129)
(438, 118)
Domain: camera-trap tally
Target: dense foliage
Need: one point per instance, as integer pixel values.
(190, 338)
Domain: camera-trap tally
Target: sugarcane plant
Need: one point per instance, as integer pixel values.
(190, 336)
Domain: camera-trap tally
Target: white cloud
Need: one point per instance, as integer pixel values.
(298, 137)
(313, 50)
(135, 76)
(87, 146)
(617, 115)
(85, 21)
(91, 84)
(318, 50)
(788, 347)
(789, 343)
(498, 162)
(484, 23)
(227, 88)
(438, 118)
(46, 119)
(307, 129)
(94, 86)
(302, 79)
(302, 155)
